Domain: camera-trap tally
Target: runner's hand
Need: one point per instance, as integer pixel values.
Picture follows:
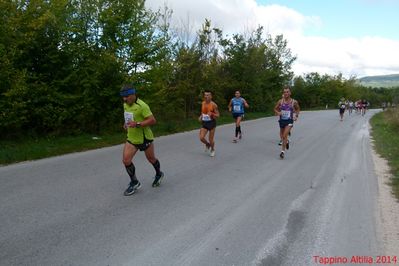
(131, 124)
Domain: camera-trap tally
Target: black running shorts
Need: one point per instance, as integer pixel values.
(142, 146)
(209, 125)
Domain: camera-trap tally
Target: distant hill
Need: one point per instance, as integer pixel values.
(385, 81)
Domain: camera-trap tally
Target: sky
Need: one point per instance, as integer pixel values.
(356, 38)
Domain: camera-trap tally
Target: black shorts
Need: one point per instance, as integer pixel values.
(341, 110)
(237, 115)
(284, 123)
(142, 146)
(209, 125)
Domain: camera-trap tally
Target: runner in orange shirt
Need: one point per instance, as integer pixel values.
(209, 113)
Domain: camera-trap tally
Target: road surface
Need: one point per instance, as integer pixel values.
(245, 206)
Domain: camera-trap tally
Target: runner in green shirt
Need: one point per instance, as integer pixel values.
(138, 118)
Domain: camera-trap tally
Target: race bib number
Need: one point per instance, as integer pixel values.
(343, 106)
(237, 108)
(128, 117)
(285, 114)
(206, 118)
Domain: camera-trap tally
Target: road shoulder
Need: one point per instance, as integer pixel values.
(387, 208)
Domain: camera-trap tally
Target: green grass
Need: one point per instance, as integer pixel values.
(385, 132)
(33, 149)
(38, 148)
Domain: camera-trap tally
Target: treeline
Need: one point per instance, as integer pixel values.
(317, 91)
(63, 62)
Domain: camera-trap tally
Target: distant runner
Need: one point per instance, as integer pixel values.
(288, 111)
(236, 106)
(209, 113)
(289, 133)
(365, 105)
(342, 107)
(351, 106)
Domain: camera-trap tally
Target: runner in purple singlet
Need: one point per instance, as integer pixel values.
(288, 111)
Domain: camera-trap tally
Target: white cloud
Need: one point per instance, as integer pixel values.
(349, 56)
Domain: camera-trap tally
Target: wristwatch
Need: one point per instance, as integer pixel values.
(138, 124)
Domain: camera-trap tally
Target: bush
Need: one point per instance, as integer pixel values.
(392, 117)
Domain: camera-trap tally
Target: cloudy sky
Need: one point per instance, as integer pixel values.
(353, 37)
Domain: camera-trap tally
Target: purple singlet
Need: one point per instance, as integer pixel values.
(287, 110)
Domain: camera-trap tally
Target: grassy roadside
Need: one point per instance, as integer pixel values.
(385, 132)
(38, 148)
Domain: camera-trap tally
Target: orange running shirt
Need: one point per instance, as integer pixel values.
(206, 108)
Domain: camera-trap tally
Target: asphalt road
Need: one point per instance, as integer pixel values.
(245, 206)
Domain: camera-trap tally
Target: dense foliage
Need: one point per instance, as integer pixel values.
(315, 91)
(63, 62)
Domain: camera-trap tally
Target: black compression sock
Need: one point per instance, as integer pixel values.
(237, 130)
(131, 171)
(157, 167)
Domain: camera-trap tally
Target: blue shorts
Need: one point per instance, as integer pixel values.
(235, 115)
(285, 123)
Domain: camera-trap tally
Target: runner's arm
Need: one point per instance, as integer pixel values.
(148, 121)
(246, 104)
(297, 109)
(277, 108)
(215, 114)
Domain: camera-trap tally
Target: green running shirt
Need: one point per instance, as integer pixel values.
(138, 112)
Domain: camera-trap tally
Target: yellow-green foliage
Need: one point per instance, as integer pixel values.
(392, 117)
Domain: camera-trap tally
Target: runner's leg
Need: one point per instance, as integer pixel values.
(129, 151)
(212, 138)
(202, 135)
(285, 130)
(238, 126)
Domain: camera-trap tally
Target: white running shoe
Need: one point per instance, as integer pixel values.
(207, 149)
(212, 154)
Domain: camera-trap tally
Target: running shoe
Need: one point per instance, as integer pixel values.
(240, 136)
(288, 145)
(212, 153)
(157, 180)
(133, 186)
(280, 143)
(235, 140)
(282, 154)
(207, 149)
